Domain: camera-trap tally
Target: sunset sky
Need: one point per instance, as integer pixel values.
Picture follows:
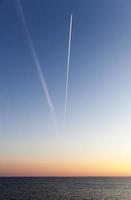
(96, 139)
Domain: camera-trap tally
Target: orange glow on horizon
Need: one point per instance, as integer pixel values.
(65, 169)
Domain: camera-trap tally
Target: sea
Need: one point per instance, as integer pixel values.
(65, 188)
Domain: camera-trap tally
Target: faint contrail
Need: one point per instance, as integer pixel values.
(37, 63)
(68, 68)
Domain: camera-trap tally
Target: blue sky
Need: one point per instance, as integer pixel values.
(99, 96)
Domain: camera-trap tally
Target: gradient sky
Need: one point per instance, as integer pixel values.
(97, 136)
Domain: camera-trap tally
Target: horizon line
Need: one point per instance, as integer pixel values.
(108, 176)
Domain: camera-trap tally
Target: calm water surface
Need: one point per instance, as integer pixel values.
(65, 188)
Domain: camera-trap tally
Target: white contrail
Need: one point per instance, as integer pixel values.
(68, 68)
(37, 63)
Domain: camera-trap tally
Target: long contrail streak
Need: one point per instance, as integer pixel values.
(37, 64)
(68, 68)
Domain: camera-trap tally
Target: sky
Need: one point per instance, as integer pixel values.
(95, 140)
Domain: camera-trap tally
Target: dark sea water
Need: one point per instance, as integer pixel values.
(65, 188)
